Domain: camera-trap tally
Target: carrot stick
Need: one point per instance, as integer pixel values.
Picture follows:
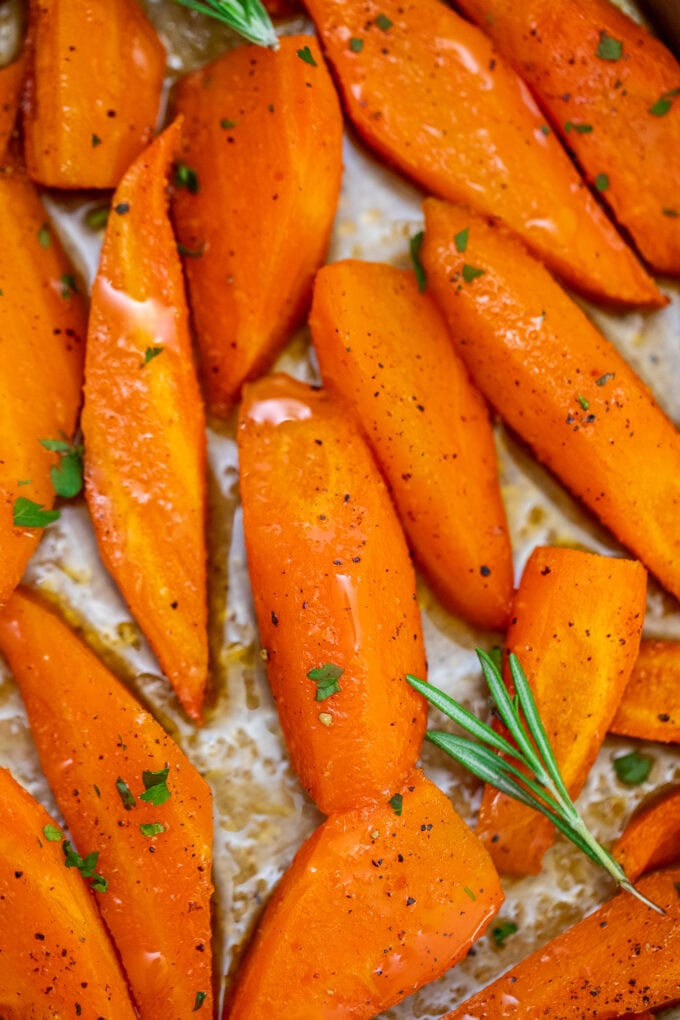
(650, 707)
(610, 89)
(386, 349)
(558, 383)
(96, 744)
(651, 838)
(55, 956)
(376, 903)
(94, 90)
(333, 586)
(623, 958)
(429, 92)
(144, 427)
(577, 620)
(263, 131)
(42, 329)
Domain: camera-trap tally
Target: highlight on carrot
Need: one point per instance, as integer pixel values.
(650, 706)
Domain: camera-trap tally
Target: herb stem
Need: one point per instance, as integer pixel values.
(246, 17)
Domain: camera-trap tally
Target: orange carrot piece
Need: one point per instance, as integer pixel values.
(333, 585)
(650, 707)
(651, 838)
(427, 90)
(11, 81)
(95, 743)
(624, 957)
(559, 383)
(376, 903)
(144, 427)
(56, 959)
(385, 348)
(610, 89)
(263, 134)
(42, 330)
(94, 90)
(577, 620)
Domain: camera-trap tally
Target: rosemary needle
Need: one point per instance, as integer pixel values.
(247, 17)
(543, 788)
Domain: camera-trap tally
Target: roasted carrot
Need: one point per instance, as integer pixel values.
(262, 163)
(127, 792)
(376, 903)
(12, 77)
(650, 707)
(385, 348)
(429, 92)
(94, 89)
(56, 959)
(623, 958)
(144, 427)
(558, 383)
(651, 838)
(610, 90)
(333, 586)
(42, 331)
(577, 620)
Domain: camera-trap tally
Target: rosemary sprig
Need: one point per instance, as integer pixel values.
(247, 17)
(543, 789)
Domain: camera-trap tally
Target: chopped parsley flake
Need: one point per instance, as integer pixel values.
(150, 353)
(227, 124)
(468, 890)
(191, 253)
(96, 140)
(660, 108)
(28, 514)
(609, 48)
(602, 182)
(585, 404)
(502, 931)
(356, 45)
(306, 54)
(186, 177)
(126, 794)
(151, 829)
(44, 236)
(383, 22)
(415, 244)
(67, 476)
(604, 379)
(580, 129)
(461, 239)
(545, 129)
(52, 833)
(69, 286)
(97, 218)
(155, 787)
(632, 769)
(199, 1000)
(326, 678)
(471, 273)
(85, 865)
(396, 803)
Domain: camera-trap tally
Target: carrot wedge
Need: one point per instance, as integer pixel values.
(623, 958)
(428, 91)
(262, 132)
(103, 756)
(144, 427)
(651, 838)
(558, 383)
(610, 89)
(385, 348)
(376, 903)
(333, 587)
(577, 620)
(56, 959)
(650, 706)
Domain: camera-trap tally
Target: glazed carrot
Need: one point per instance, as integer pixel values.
(610, 89)
(55, 956)
(558, 383)
(385, 347)
(94, 90)
(144, 427)
(333, 586)
(376, 903)
(96, 745)
(262, 135)
(624, 957)
(651, 838)
(650, 707)
(42, 329)
(429, 92)
(577, 620)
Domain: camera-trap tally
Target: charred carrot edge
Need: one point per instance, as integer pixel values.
(144, 427)
(651, 838)
(385, 348)
(577, 621)
(55, 955)
(610, 89)
(427, 90)
(624, 957)
(12, 78)
(650, 706)
(104, 758)
(262, 131)
(376, 903)
(558, 383)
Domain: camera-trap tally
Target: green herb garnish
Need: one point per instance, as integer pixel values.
(461, 240)
(96, 140)
(28, 514)
(306, 54)
(247, 17)
(44, 236)
(602, 182)
(383, 22)
(126, 794)
(151, 829)
(198, 1001)
(414, 246)
(85, 865)
(632, 769)
(326, 679)
(155, 787)
(67, 476)
(396, 803)
(502, 931)
(191, 253)
(228, 124)
(471, 273)
(356, 45)
(580, 129)
(585, 404)
(52, 833)
(150, 353)
(609, 48)
(97, 218)
(186, 177)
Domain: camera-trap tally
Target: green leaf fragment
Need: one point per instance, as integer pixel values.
(306, 54)
(85, 865)
(634, 768)
(326, 678)
(155, 787)
(28, 514)
(356, 45)
(471, 273)
(585, 404)
(44, 236)
(126, 794)
(502, 931)
(52, 833)
(150, 353)
(67, 476)
(414, 246)
(602, 182)
(383, 22)
(228, 124)
(396, 803)
(98, 217)
(151, 829)
(198, 1001)
(609, 48)
(186, 177)
(461, 240)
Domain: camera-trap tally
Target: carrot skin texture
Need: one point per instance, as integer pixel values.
(263, 131)
(333, 584)
(76, 135)
(432, 96)
(650, 706)
(42, 330)
(554, 48)
(144, 427)
(385, 348)
(558, 383)
(577, 621)
(651, 838)
(90, 731)
(11, 81)
(54, 951)
(623, 958)
(373, 906)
